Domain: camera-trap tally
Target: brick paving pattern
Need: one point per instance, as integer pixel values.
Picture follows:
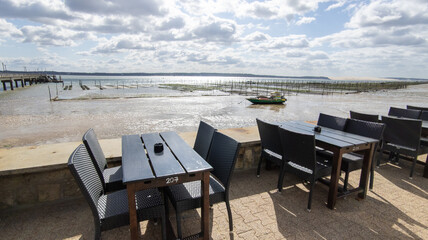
(397, 208)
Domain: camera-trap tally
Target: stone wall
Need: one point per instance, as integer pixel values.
(39, 187)
(47, 185)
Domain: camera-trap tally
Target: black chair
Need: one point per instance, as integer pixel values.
(271, 146)
(405, 113)
(424, 116)
(330, 121)
(111, 210)
(417, 108)
(364, 116)
(354, 161)
(186, 196)
(301, 159)
(203, 139)
(111, 178)
(402, 136)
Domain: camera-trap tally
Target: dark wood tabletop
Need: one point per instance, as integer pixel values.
(144, 168)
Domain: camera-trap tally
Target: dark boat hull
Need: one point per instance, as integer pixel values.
(267, 101)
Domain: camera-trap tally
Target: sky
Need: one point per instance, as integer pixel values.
(378, 38)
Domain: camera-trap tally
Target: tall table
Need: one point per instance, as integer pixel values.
(339, 143)
(177, 163)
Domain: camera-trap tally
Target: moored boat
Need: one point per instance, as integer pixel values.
(267, 100)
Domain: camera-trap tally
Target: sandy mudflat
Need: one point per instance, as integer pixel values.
(345, 78)
(27, 117)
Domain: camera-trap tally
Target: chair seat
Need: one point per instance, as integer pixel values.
(400, 149)
(322, 168)
(113, 178)
(113, 208)
(424, 141)
(272, 154)
(350, 161)
(190, 193)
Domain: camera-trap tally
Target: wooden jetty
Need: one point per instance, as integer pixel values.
(25, 79)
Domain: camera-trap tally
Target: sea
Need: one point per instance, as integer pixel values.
(135, 104)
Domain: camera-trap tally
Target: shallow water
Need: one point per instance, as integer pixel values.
(27, 116)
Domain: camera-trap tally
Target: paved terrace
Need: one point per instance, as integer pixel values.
(397, 208)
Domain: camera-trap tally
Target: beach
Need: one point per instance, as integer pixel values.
(28, 117)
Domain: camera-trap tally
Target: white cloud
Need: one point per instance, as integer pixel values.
(256, 36)
(52, 36)
(7, 29)
(305, 20)
(114, 7)
(395, 13)
(338, 4)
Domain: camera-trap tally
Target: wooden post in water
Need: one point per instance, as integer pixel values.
(50, 97)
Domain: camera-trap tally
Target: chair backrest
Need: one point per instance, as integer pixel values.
(222, 157)
(424, 115)
(95, 152)
(402, 131)
(406, 113)
(417, 108)
(364, 116)
(83, 171)
(365, 128)
(298, 147)
(269, 136)
(330, 121)
(203, 139)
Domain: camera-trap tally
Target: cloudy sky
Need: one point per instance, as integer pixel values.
(281, 37)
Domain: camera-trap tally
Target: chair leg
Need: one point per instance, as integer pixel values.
(178, 219)
(259, 165)
(97, 233)
(345, 181)
(311, 189)
(281, 177)
(229, 213)
(413, 167)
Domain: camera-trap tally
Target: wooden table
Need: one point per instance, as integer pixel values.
(178, 163)
(339, 143)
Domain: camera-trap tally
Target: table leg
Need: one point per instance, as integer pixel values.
(334, 179)
(205, 211)
(365, 171)
(133, 224)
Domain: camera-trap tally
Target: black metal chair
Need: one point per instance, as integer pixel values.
(417, 108)
(111, 210)
(301, 158)
(110, 177)
(402, 136)
(186, 196)
(271, 146)
(405, 113)
(354, 161)
(330, 121)
(203, 139)
(364, 116)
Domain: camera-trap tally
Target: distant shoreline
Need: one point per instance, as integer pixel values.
(208, 74)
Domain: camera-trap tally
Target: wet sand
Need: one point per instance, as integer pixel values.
(27, 117)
